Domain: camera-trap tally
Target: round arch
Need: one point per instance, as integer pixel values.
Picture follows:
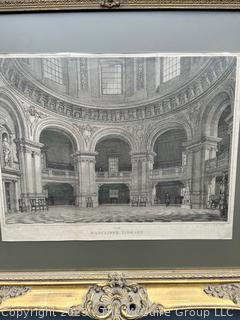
(213, 112)
(63, 127)
(14, 109)
(111, 133)
(160, 128)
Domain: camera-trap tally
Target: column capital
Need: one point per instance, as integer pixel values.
(29, 146)
(143, 156)
(84, 156)
(207, 141)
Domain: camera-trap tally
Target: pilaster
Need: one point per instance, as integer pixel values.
(197, 154)
(142, 165)
(30, 160)
(86, 192)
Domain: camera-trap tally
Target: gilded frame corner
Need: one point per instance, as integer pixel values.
(46, 5)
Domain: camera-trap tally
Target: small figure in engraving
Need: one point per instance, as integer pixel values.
(167, 199)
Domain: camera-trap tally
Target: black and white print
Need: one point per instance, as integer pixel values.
(98, 147)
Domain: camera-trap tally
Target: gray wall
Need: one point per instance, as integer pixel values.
(122, 32)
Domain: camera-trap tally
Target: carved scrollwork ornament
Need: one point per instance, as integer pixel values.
(7, 292)
(116, 300)
(110, 3)
(230, 291)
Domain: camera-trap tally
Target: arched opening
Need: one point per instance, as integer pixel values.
(169, 148)
(58, 150)
(9, 158)
(223, 132)
(58, 167)
(114, 194)
(169, 193)
(59, 194)
(169, 159)
(218, 186)
(113, 156)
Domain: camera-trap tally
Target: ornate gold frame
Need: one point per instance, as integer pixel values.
(119, 294)
(122, 294)
(41, 5)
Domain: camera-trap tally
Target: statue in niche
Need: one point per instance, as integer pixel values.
(186, 200)
(6, 150)
(14, 152)
(154, 194)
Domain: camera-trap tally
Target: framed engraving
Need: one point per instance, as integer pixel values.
(110, 147)
(118, 147)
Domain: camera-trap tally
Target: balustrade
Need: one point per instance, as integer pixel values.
(220, 162)
(171, 172)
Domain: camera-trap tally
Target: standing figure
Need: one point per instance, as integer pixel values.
(167, 199)
(154, 193)
(6, 151)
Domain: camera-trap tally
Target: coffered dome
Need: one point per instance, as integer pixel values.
(112, 82)
(117, 88)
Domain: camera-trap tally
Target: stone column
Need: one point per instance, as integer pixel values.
(229, 121)
(198, 152)
(30, 163)
(142, 165)
(86, 185)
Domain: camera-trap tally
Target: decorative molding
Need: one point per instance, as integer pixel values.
(193, 117)
(139, 133)
(229, 291)
(216, 70)
(41, 5)
(87, 131)
(116, 300)
(8, 292)
(83, 64)
(110, 3)
(33, 116)
(140, 73)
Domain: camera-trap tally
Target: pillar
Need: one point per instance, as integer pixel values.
(229, 121)
(86, 191)
(142, 165)
(198, 152)
(30, 163)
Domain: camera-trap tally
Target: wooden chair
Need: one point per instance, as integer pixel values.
(143, 202)
(134, 201)
(22, 205)
(43, 204)
(33, 205)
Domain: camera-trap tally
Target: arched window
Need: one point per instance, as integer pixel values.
(111, 78)
(52, 69)
(171, 68)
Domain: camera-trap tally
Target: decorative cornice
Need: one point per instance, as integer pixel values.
(229, 291)
(203, 84)
(41, 5)
(116, 300)
(8, 292)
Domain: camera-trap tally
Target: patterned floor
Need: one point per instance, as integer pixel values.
(69, 214)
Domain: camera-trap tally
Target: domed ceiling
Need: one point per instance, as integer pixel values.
(112, 82)
(114, 89)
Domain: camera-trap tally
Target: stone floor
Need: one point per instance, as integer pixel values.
(70, 214)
